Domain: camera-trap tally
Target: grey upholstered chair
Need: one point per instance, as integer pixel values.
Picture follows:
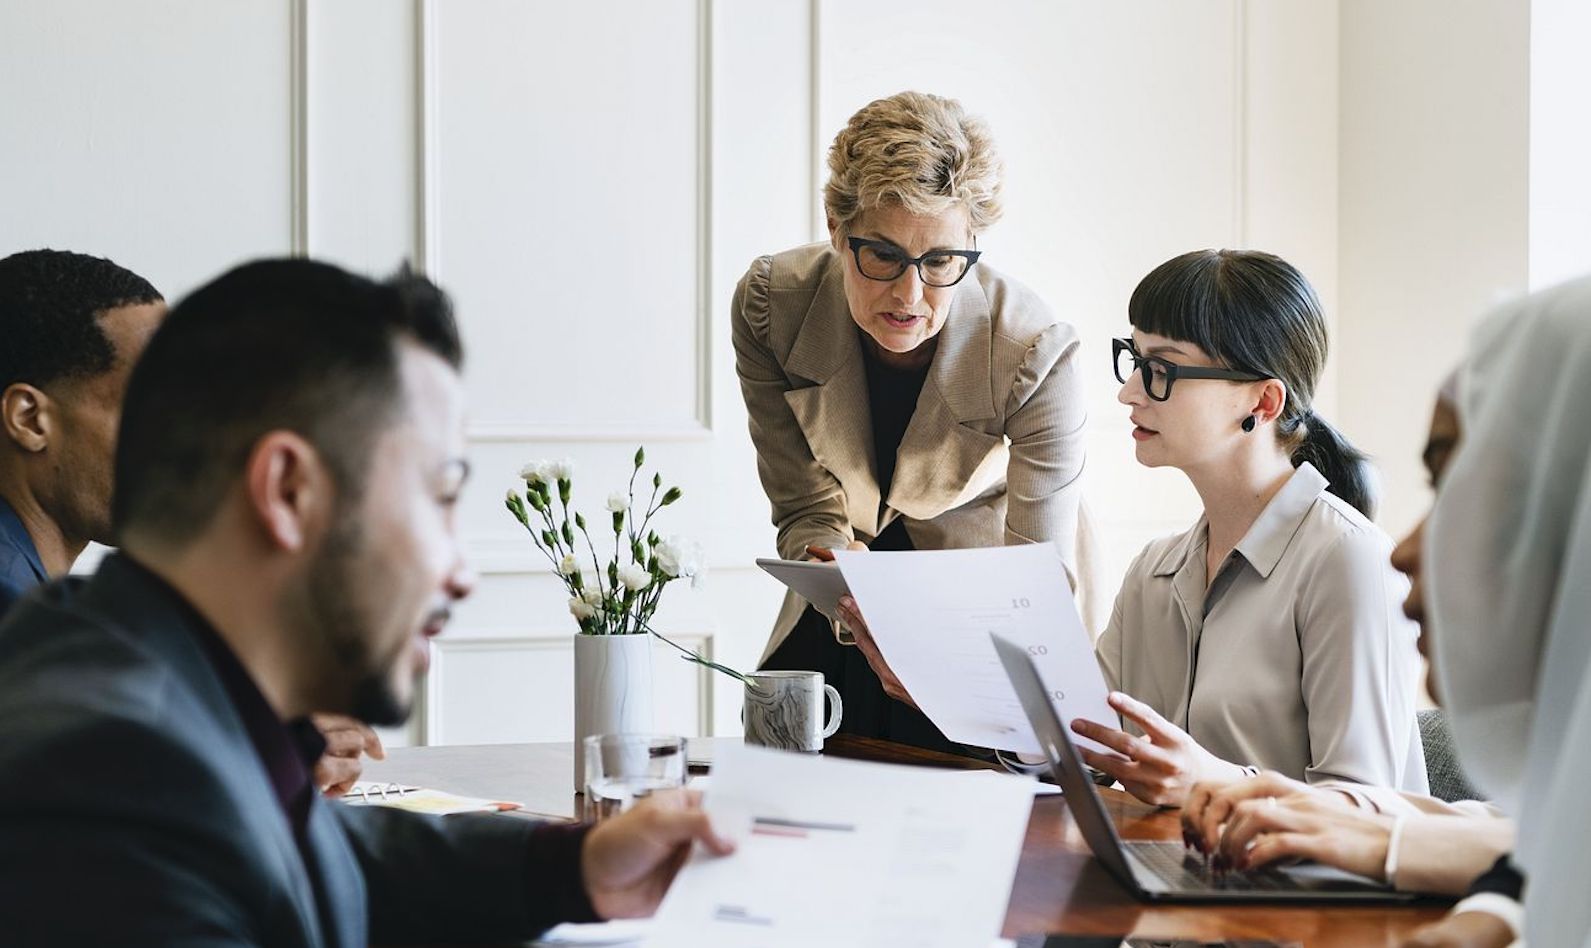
(1441, 761)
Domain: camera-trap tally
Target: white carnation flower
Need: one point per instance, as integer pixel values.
(678, 557)
(618, 502)
(634, 577)
(534, 473)
(593, 597)
(568, 566)
(562, 469)
(581, 609)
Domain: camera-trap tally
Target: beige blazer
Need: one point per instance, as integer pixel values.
(994, 450)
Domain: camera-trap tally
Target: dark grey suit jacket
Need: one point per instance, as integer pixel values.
(135, 811)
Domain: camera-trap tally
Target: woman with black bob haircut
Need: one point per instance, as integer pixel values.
(1269, 635)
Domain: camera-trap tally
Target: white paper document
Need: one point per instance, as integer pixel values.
(847, 853)
(931, 613)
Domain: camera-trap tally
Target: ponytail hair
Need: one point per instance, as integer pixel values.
(1347, 469)
(1254, 312)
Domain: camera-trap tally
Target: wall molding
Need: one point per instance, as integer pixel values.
(704, 215)
(428, 244)
(1240, 123)
(515, 556)
(510, 432)
(427, 195)
(429, 709)
(298, 128)
(815, 115)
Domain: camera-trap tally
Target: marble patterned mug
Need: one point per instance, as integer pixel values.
(784, 709)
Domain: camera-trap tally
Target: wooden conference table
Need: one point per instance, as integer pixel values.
(1059, 887)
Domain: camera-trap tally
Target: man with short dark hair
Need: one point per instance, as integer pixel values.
(71, 327)
(289, 462)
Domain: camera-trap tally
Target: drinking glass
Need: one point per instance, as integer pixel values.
(624, 768)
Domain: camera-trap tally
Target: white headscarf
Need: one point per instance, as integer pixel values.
(1508, 554)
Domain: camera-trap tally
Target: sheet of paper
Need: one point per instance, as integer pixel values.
(847, 853)
(931, 613)
(627, 933)
(818, 583)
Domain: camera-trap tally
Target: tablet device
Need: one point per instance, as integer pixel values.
(818, 583)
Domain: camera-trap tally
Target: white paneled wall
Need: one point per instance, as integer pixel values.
(590, 180)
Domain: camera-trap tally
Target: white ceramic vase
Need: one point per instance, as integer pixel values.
(613, 690)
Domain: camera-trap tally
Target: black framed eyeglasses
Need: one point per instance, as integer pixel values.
(1159, 375)
(885, 262)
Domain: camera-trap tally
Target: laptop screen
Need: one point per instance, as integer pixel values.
(1081, 797)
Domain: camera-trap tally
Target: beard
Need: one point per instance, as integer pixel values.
(347, 625)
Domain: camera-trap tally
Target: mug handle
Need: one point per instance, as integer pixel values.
(837, 706)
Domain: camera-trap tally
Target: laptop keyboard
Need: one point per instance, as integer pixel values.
(1185, 870)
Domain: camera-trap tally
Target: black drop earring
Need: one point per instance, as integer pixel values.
(1248, 423)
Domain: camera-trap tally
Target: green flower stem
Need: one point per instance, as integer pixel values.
(696, 657)
(597, 566)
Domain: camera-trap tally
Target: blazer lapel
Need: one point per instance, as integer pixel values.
(959, 389)
(833, 413)
(342, 886)
(254, 787)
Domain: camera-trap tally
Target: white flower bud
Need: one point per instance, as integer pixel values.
(581, 609)
(568, 566)
(562, 469)
(634, 577)
(618, 502)
(534, 473)
(593, 597)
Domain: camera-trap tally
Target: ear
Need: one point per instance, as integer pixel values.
(26, 416)
(1272, 399)
(289, 490)
(836, 234)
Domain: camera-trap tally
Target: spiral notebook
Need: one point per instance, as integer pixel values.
(420, 799)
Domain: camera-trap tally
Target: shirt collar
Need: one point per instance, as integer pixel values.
(13, 533)
(1271, 532)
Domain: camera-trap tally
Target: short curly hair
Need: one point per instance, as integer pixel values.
(916, 151)
(50, 304)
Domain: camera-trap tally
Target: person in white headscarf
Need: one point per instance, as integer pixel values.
(1509, 550)
(1411, 841)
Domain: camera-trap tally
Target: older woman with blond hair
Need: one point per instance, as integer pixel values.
(902, 393)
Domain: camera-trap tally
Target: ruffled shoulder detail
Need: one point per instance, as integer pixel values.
(752, 295)
(1055, 345)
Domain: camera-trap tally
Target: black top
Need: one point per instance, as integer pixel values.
(891, 400)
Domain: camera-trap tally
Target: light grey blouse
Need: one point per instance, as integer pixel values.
(1298, 658)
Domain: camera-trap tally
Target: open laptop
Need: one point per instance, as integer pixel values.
(1165, 871)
